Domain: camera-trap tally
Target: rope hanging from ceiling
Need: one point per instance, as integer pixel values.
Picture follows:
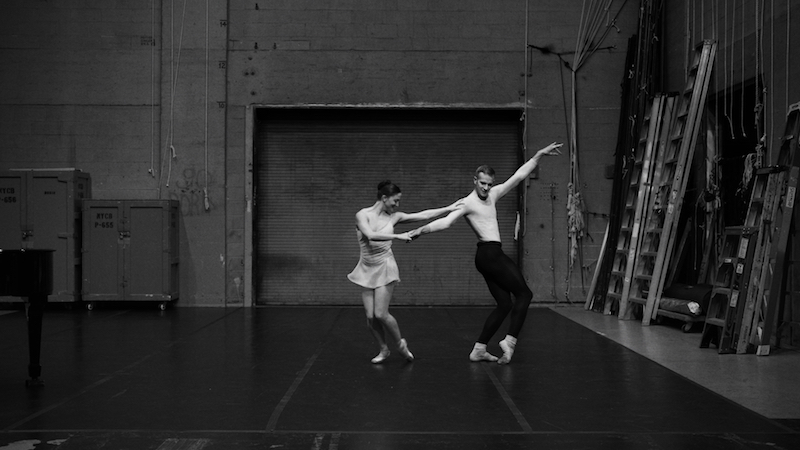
(595, 25)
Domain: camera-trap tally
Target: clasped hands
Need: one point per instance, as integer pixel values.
(417, 232)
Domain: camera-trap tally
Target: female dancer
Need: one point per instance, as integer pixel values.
(377, 270)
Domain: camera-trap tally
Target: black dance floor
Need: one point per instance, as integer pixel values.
(300, 377)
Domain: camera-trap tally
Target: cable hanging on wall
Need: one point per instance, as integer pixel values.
(770, 103)
(788, 51)
(688, 50)
(153, 144)
(595, 18)
(206, 202)
(522, 222)
(729, 113)
(741, 105)
(174, 68)
(760, 88)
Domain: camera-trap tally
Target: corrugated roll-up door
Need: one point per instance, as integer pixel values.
(317, 168)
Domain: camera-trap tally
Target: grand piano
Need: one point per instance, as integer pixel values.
(28, 273)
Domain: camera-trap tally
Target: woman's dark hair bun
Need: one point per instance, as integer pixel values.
(387, 188)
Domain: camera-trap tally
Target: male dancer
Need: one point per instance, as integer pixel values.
(502, 275)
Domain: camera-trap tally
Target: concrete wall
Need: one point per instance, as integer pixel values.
(152, 99)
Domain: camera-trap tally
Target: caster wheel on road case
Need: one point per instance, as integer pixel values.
(90, 306)
(162, 306)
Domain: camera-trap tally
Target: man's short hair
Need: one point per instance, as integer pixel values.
(484, 169)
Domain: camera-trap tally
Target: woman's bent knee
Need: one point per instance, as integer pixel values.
(382, 316)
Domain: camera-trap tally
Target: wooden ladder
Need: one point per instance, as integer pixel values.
(790, 303)
(736, 246)
(636, 199)
(788, 158)
(737, 301)
(760, 214)
(667, 198)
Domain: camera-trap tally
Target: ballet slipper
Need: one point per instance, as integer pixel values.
(479, 353)
(403, 347)
(508, 351)
(381, 356)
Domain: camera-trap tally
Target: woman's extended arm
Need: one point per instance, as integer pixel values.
(430, 213)
(363, 226)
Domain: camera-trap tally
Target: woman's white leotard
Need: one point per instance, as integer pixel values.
(376, 266)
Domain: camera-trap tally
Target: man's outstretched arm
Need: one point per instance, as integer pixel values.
(525, 170)
(438, 224)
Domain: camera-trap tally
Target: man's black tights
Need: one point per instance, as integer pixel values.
(503, 278)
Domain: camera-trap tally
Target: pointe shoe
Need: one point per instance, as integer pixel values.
(403, 347)
(481, 355)
(508, 351)
(381, 356)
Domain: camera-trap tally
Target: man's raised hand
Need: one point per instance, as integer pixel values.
(552, 149)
